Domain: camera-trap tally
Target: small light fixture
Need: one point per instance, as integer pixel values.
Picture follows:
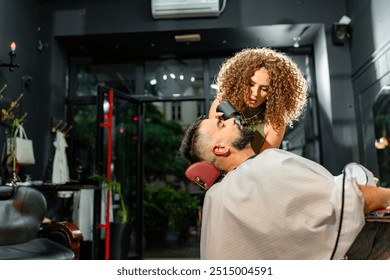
(214, 86)
(106, 106)
(153, 82)
(296, 42)
(13, 47)
(187, 38)
(381, 143)
(12, 55)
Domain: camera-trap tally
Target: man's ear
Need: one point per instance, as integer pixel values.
(220, 150)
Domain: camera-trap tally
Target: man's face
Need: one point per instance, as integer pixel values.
(246, 136)
(227, 131)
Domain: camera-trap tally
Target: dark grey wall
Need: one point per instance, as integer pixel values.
(105, 17)
(19, 22)
(370, 53)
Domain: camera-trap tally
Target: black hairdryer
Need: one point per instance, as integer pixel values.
(229, 111)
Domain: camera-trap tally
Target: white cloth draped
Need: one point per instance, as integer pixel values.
(280, 206)
(60, 173)
(82, 214)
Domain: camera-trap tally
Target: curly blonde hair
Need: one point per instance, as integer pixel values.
(287, 92)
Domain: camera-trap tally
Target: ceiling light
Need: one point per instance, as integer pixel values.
(296, 42)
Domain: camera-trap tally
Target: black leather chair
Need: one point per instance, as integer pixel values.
(22, 234)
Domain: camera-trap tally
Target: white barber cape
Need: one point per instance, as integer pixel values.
(280, 206)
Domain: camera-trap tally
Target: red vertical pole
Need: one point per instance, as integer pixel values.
(108, 124)
(109, 160)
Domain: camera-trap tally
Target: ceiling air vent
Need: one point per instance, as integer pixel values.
(167, 9)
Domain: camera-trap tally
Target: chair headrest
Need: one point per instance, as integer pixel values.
(204, 174)
(22, 210)
(6, 192)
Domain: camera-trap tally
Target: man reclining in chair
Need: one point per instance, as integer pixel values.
(276, 205)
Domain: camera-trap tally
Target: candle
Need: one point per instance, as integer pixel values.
(13, 47)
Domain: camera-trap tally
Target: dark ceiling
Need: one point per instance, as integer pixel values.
(214, 42)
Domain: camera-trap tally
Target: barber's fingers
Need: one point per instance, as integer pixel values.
(218, 115)
(376, 180)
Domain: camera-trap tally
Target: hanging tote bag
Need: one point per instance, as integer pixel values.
(22, 147)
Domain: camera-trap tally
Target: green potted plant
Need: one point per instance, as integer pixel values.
(115, 188)
(13, 121)
(120, 229)
(167, 211)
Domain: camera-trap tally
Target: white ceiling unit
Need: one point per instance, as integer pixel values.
(166, 9)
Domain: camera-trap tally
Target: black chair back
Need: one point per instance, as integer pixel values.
(22, 210)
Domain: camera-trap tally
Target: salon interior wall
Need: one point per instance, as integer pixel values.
(370, 53)
(71, 17)
(19, 22)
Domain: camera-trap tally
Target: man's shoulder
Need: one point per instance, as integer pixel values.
(272, 152)
(275, 156)
(271, 158)
(278, 158)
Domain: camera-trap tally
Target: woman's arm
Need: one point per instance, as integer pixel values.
(375, 198)
(213, 108)
(273, 137)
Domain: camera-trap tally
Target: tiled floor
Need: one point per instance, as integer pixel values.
(189, 250)
(169, 249)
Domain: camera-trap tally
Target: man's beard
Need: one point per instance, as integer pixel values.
(246, 136)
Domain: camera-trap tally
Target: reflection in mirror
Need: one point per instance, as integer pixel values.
(174, 77)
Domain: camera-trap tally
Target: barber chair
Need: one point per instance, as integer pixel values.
(23, 236)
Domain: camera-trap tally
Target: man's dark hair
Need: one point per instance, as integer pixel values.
(189, 145)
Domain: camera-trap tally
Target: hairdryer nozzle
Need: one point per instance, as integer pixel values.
(229, 111)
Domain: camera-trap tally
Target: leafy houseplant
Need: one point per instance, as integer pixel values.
(10, 135)
(9, 118)
(116, 188)
(166, 209)
(119, 231)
